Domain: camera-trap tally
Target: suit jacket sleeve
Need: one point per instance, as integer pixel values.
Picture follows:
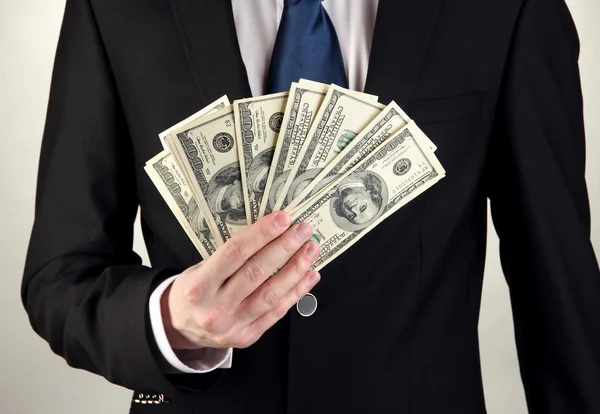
(84, 289)
(541, 213)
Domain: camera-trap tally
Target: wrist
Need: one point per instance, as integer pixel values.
(176, 339)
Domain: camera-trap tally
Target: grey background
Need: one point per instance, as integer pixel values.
(32, 378)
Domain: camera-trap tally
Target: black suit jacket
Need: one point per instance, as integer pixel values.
(494, 84)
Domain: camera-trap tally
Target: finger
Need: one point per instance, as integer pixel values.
(263, 264)
(237, 250)
(270, 294)
(266, 321)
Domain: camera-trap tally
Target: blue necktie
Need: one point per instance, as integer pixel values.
(306, 47)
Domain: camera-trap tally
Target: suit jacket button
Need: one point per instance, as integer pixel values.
(307, 305)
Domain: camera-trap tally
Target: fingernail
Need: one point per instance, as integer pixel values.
(282, 219)
(304, 231)
(314, 278)
(313, 250)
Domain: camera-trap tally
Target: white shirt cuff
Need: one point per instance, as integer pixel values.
(190, 361)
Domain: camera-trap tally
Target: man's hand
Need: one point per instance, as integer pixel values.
(227, 301)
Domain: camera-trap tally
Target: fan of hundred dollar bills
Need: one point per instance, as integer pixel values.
(334, 158)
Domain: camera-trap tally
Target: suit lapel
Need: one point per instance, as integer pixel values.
(207, 34)
(403, 30)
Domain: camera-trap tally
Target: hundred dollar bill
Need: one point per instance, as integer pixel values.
(174, 188)
(258, 122)
(220, 103)
(342, 115)
(397, 171)
(208, 148)
(387, 123)
(303, 102)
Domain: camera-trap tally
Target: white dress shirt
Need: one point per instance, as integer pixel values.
(256, 24)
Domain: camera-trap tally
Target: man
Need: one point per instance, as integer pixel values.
(494, 84)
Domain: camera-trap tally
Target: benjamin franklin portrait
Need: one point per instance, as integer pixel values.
(359, 201)
(197, 221)
(225, 195)
(258, 172)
